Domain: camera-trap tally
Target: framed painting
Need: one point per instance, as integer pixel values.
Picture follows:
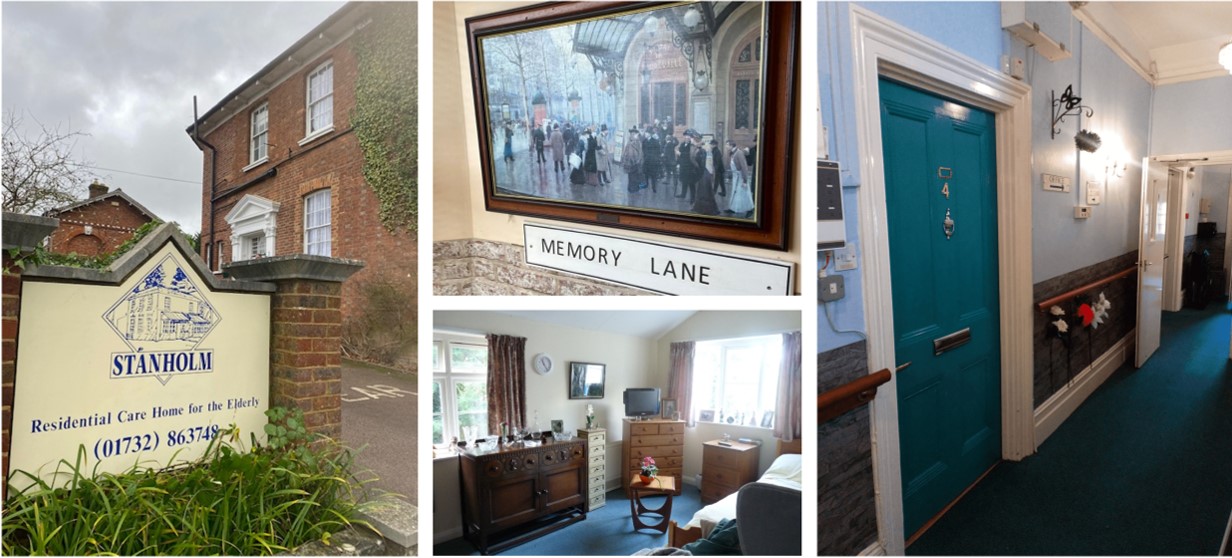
(673, 118)
(587, 380)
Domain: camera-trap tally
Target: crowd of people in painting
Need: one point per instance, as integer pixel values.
(692, 166)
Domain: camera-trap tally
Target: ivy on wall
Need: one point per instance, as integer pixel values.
(386, 111)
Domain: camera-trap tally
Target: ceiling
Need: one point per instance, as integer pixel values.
(646, 324)
(1171, 41)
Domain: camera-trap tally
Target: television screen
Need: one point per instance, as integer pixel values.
(641, 402)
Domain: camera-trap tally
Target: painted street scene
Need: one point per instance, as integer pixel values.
(658, 109)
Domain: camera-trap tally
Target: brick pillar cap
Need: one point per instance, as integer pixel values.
(25, 232)
(295, 266)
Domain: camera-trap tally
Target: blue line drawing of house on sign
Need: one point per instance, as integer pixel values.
(165, 311)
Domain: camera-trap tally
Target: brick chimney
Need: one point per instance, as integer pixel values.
(97, 189)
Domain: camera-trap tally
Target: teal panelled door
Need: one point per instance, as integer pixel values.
(941, 201)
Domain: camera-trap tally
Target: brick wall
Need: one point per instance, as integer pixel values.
(305, 360)
(333, 161)
(846, 501)
(113, 221)
(11, 285)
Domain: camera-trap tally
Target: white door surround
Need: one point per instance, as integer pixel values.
(882, 48)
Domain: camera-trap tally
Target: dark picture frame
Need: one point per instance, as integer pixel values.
(667, 409)
(775, 112)
(582, 380)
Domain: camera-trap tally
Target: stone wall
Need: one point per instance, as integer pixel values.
(486, 267)
(1057, 363)
(846, 501)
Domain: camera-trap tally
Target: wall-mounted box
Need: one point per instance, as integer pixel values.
(1014, 19)
(831, 232)
(1056, 183)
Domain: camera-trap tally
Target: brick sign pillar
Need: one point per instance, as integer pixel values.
(306, 333)
(22, 233)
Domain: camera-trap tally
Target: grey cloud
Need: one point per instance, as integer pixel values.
(125, 73)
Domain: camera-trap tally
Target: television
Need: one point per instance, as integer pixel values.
(641, 402)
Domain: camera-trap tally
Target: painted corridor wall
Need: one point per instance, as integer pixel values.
(1066, 252)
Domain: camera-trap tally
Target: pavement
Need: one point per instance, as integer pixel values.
(379, 412)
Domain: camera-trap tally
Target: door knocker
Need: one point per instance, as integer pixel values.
(947, 225)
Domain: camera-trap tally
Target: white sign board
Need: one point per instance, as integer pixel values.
(147, 371)
(662, 268)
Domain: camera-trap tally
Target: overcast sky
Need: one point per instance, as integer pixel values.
(125, 73)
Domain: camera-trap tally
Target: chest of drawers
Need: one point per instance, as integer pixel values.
(596, 463)
(661, 439)
(727, 468)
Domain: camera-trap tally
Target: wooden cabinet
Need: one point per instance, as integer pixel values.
(661, 439)
(596, 463)
(513, 485)
(726, 468)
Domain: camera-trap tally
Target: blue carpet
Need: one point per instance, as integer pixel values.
(607, 531)
(1144, 467)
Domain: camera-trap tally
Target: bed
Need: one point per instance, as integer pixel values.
(785, 472)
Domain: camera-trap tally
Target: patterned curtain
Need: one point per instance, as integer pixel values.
(680, 379)
(787, 408)
(506, 381)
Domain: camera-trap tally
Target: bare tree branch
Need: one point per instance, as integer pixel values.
(40, 171)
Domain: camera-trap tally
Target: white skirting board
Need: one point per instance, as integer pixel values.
(1063, 403)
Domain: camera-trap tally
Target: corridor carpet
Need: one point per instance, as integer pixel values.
(1144, 467)
(607, 531)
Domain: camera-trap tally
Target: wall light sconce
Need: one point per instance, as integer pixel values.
(1225, 57)
(1087, 141)
(1067, 105)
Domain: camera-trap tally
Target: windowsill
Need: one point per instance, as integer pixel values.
(312, 137)
(256, 164)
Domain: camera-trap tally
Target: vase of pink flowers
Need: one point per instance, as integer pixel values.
(649, 470)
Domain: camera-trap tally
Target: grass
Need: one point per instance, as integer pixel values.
(231, 501)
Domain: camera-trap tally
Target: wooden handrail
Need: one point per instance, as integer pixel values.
(849, 395)
(1063, 297)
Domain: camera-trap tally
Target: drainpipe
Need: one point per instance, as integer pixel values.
(202, 144)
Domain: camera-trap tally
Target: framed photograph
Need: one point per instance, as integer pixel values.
(706, 415)
(601, 112)
(558, 426)
(667, 409)
(767, 420)
(586, 380)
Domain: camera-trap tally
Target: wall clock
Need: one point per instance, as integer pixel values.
(543, 363)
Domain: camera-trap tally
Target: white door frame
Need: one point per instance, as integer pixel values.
(883, 48)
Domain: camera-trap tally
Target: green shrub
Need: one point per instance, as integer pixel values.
(231, 501)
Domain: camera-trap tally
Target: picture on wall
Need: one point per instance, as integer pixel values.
(586, 380)
(649, 116)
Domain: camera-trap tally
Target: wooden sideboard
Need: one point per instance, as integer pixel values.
(661, 439)
(727, 468)
(520, 483)
(596, 463)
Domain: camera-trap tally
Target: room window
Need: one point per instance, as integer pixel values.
(737, 379)
(459, 387)
(218, 251)
(321, 99)
(260, 134)
(316, 224)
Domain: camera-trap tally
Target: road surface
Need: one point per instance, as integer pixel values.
(379, 410)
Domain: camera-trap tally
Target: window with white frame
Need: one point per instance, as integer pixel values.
(218, 252)
(459, 387)
(252, 246)
(321, 98)
(260, 134)
(737, 379)
(317, 239)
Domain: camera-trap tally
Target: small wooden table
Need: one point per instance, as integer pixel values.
(660, 485)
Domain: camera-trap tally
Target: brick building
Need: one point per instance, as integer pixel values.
(283, 172)
(98, 224)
